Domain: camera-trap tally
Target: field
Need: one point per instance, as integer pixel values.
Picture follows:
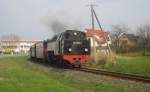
(18, 74)
(133, 65)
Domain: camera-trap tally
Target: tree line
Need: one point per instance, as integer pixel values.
(125, 41)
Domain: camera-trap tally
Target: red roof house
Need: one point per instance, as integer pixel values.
(99, 37)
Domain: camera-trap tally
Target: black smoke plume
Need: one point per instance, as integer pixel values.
(60, 22)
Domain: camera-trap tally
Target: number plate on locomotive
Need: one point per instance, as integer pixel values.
(77, 43)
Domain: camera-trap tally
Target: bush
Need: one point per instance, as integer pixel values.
(102, 58)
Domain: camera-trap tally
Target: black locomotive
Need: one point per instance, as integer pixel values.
(69, 47)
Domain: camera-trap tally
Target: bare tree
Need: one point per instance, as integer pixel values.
(117, 32)
(144, 31)
(144, 34)
(10, 37)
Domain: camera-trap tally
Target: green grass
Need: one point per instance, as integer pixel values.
(18, 75)
(134, 65)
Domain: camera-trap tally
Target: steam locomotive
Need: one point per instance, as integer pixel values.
(69, 47)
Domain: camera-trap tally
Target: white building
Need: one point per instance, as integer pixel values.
(22, 46)
(98, 38)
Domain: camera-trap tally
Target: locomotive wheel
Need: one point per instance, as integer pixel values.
(45, 60)
(49, 60)
(61, 64)
(79, 66)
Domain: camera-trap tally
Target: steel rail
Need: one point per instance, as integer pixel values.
(139, 78)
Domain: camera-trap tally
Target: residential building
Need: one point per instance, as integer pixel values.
(21, 46)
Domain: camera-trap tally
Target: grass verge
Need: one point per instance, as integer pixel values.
(134, 65)
(129, 64)
(18, 75)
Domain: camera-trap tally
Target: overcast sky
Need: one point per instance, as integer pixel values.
(29, 18)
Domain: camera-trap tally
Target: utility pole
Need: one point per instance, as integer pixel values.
(94, 16)
(99, 24)
(93, 27)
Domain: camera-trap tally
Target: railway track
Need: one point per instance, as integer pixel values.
(126, 76)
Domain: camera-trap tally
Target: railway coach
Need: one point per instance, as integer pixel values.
(67, 48)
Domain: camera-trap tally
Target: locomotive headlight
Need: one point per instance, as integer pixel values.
(69, 49)
(86, 50)
(75, 33)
